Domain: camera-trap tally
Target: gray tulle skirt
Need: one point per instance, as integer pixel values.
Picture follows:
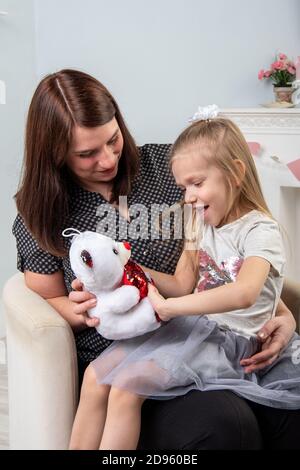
(194, 353)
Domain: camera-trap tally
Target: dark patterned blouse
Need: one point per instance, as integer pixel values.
(153, 187)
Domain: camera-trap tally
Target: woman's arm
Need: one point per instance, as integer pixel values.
(234, 296)
(52, 288)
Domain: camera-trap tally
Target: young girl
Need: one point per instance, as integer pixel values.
(240, 273)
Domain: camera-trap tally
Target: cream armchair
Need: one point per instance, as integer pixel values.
(42, 370)
(42, 367)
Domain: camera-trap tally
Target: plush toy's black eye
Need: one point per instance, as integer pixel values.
(115, 251)
(86, 258)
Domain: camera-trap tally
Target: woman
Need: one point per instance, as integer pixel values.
(78, 156)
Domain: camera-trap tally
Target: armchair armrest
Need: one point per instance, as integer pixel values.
(291, 297)
(42, 370)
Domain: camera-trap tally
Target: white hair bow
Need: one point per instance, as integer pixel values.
(206, 112)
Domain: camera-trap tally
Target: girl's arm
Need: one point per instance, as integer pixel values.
(237, 295)
(52, 288)
(182, 282)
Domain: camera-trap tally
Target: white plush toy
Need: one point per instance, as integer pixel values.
(120, 285)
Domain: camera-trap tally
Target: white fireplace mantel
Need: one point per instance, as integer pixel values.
(277, 131)
(266, 120)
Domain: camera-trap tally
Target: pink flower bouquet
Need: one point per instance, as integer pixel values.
(282, 71)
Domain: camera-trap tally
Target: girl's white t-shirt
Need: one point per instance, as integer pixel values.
(221, 255)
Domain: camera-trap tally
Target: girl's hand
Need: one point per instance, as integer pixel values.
(274, 335)
(159, 303)
(83, 301)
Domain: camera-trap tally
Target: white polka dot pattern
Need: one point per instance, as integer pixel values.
(153, 185)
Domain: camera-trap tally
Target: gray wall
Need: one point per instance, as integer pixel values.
(160, 58)
(18, 70)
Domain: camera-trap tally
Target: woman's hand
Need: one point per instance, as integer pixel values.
(274, 336)
(83, 301)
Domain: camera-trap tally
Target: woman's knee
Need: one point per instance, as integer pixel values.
(200, 420)
(279, 428)
(232, 425)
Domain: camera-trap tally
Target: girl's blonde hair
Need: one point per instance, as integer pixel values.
(226, 145)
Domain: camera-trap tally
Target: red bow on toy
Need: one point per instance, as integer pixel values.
(134, 276)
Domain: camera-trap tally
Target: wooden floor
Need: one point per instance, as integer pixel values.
(4, 442)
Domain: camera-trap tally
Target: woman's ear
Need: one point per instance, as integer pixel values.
(240, 172)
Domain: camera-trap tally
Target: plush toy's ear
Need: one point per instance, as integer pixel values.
(70, 232)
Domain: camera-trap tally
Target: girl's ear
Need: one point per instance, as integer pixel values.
(240, 172)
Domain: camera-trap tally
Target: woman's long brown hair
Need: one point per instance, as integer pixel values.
(61, 101)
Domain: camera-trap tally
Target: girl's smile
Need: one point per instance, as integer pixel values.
(204, 184)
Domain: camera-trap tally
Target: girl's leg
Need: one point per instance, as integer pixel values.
(91, 413)
(123, 421)
(128, 392)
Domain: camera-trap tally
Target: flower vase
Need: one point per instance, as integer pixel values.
(283, 94)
